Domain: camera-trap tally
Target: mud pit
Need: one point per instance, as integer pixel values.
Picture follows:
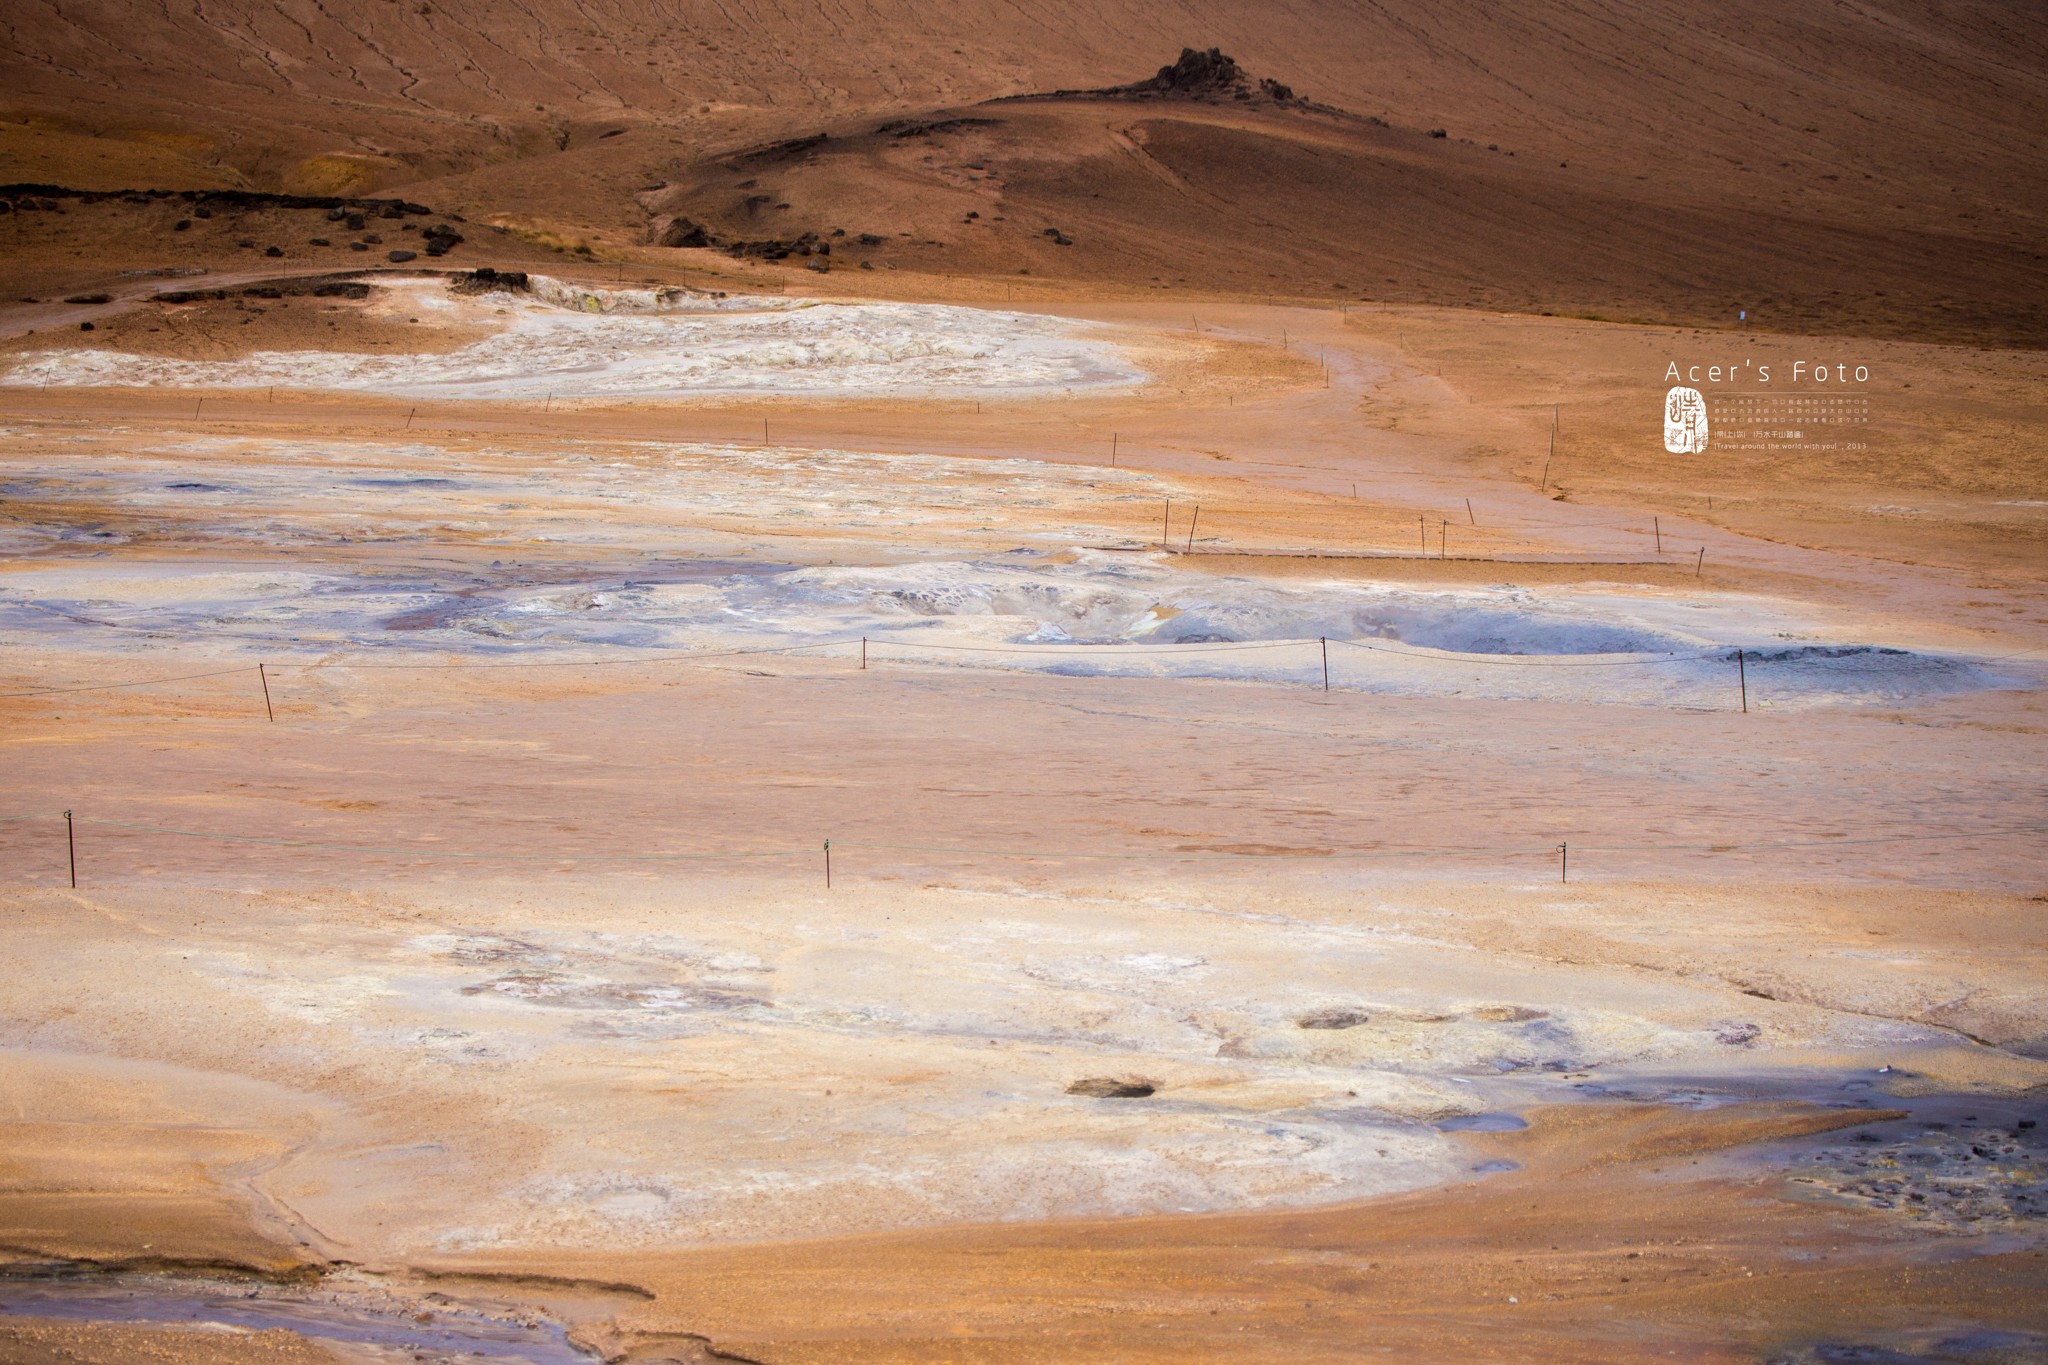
(668, 546)
(602, 344)
(506, 947)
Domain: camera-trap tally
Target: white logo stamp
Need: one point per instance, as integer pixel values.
(1685, 421)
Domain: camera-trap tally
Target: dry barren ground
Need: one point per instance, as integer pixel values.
(1175, 994)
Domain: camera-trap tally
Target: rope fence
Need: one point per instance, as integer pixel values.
(1737, 655)
(1560, 851)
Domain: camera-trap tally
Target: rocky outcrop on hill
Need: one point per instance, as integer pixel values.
(1204, 74)
(351, 211)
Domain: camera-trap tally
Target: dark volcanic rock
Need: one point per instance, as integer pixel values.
(1200, 73)
(1112, 1088)
(681, 232)
(205, 201)
(1333, 1018)
(1206, 74)
(402, 256)
(441, 239)
(773, 248)
(907, 128)
(485, 280)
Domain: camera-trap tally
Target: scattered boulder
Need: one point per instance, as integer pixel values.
(1335, 1017)
(1112, 1088)
(90, 298)
(86, 327)
(870, 239)
(485, 280)
(401, 257)
(773, 248)
(441, 238)
(1439, 132)
(273, 251)
(182, 225)
(1058, 237)
(681, 233)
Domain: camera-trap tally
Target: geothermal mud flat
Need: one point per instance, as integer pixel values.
(1256, 878)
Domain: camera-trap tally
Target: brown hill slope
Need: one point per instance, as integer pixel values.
(1264, 197)
(1720, 134)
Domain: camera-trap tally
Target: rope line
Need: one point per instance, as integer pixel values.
(1048, 650)
(680, 656)
(1421, 851)
(886, 642)
(1812, 843)
(1525, 661)
(110, 687)
(443, 853)
(1547, 850)
(662, 657)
